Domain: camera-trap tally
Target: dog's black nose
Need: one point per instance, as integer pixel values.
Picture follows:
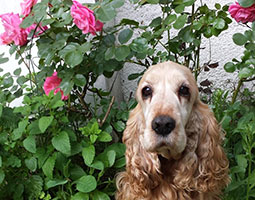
(163, 125)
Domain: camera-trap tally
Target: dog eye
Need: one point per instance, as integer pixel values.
(146, 92)
(184, 91)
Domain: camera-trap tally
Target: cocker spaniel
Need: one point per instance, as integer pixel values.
(173, 141)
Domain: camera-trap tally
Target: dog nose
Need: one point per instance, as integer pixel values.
(163, 125)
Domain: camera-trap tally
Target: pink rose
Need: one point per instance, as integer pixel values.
(26, 7)
(13, 32)
(84, 18)
(99, 25)
(241, 14)
(52, 83)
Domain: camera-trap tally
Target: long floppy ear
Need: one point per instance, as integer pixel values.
(136, 182)
(211, 175)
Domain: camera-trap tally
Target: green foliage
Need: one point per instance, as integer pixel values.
(238, 122)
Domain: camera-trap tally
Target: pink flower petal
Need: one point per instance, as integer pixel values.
(241, 14)
(13, 32)
(84, 18)
(52, 84)
(26, 7)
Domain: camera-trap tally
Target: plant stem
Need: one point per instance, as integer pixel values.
(240, 83)
(101, 123)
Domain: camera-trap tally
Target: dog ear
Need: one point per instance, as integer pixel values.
(135, 181)
(206, 169)
(212, 160)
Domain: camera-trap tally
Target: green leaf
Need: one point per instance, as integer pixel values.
(246, 72)
(2, 59)
(139, 45)
(30, 144)
(66, 85)
(48, 166)
(95, 128)
(111, 155)
(119, 126)
(61, 143)
(239, 39)
(117, 3)
(135, 76)
(31, 163)
(93, 138)
(17, 133)
(219, 23)
(80, 196)
(80, 80)
(169, 19)
(28, 21)
(180, 8)
(74, 58)
(125, 35)
(98, 165)
(230, 67)
(88, 154)
(55, 182)
(250, 46)
(104, 137)
(109, 40)
(76, 172)
(86, 184)
(129, 22)
(8, 82)
(98, 195)
(217, 6)
(106, 13)
(57, 104)
(17, 72)
(119, 148)
(21, 80)
(2, 176)
(1, 161)
(85, 47)
(13, 161)
(122, 52)
(156, 22)
(109, 53)
(246, 3)
(69, 48)
(45, 122)
(120, 163)
(180, 21)
(35, 184)
(152, 1)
